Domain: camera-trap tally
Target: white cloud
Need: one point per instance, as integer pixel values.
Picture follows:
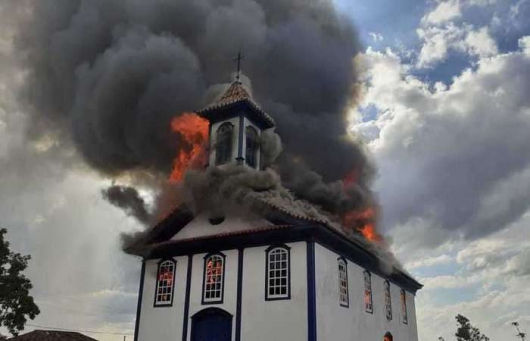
(429, 262)
(437, 42)
(453, 180)
(446, 154)
(443, 12)
(524, 44)
(377, 37)
(481, 43)
(501, 278)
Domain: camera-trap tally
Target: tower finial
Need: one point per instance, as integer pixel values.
(238, 59)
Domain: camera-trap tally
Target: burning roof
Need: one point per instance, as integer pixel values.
(234, 95)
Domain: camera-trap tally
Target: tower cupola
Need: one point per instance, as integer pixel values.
(236, 125)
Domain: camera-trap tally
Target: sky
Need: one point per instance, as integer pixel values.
(445, 116)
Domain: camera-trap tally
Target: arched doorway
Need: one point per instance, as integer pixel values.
(388, 337)
(211, 324)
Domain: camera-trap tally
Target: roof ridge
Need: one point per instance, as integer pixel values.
(237, 92)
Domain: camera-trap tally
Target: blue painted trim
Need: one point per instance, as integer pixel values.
(300, 231)
(239, 294)
(371, 310)
(342, 259)
(241, 132)
(267, 251)
(164, 305)
(388, 305)
(209, 311)
(187, 300)
(311, 293)
(139, 306)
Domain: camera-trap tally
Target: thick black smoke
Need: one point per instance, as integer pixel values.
(129, 200)
(111, 74)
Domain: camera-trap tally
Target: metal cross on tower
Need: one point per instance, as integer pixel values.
(238, 59)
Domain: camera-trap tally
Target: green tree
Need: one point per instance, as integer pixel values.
(15, 302)
(466, 331)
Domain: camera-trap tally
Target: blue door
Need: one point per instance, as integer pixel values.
(212, 324)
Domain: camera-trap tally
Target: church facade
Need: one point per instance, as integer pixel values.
(268, 275)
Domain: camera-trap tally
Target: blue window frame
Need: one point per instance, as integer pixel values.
(213, 279)
(165, 283)
(343, 282)
(388, 301)
(278, 273)
(403, 296)
(368, 304)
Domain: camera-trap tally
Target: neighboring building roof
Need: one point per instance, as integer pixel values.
(52, 335)
(236, 94)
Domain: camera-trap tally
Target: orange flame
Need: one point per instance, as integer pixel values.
(193, 129)
(362, 220)
(350, 178)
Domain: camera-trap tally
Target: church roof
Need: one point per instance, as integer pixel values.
(52, 335)
(236, 94)
(285, 222)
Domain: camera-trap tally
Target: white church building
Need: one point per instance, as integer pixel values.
(274, 276)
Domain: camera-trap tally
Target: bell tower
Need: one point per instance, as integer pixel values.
(236, 125)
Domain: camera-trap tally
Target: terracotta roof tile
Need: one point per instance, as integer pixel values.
(237, 93)
(52, 335)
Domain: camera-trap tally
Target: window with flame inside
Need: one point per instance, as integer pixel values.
(278, 273)
(368, 306)
(403, 296)
(388, 301)
(213, 279)
(343, 283)
(165, 282)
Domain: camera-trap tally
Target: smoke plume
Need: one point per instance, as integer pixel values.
(129, 200)
(110, 76)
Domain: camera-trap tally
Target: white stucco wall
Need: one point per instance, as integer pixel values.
(201, 226)
(162, 323)
(338, 323)
(281, 320)
(230, 288)
(261, 320)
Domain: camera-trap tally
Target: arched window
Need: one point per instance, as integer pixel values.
(343, 283)
(223, 146)
(388, 301)
(165, 282)
(403, 296)
(388, 337)
(368, 306)
(278, 273)
(213, 284)
(251, 150)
